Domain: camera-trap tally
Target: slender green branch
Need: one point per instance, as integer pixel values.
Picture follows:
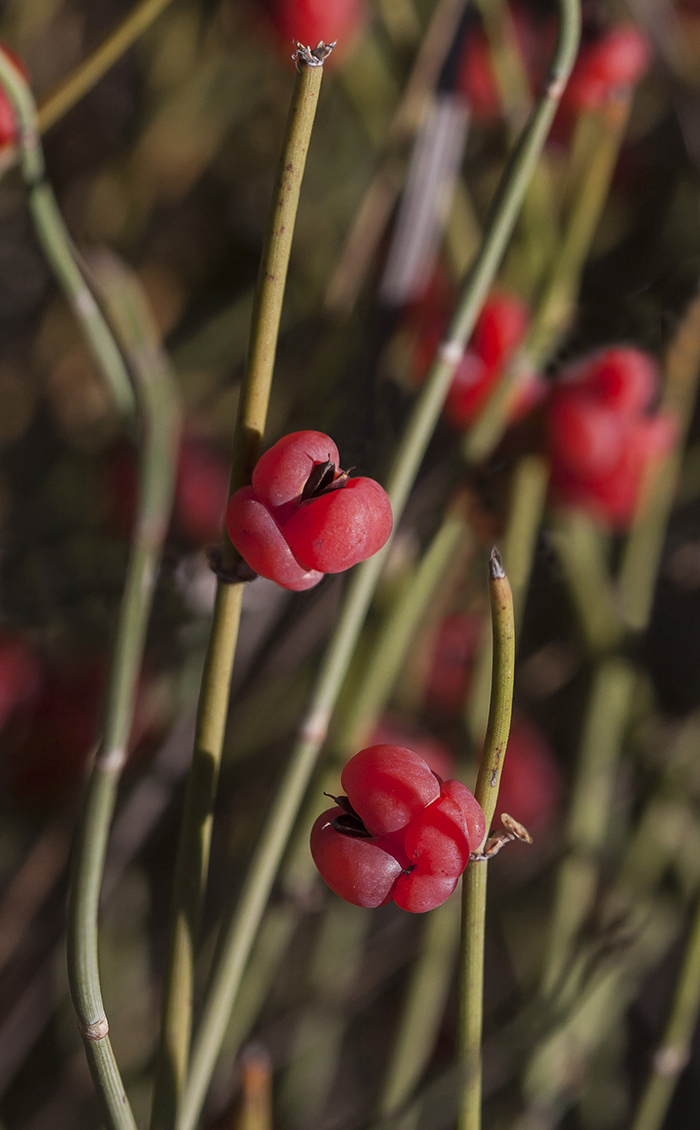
(88, 72)
(384, 663)
(55, 241)
(160, 418)
(474, 883)
(673, 1053)
(195, 835)
(238, 934)
(602, 131)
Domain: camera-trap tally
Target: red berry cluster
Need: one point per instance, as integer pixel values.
(603, 434)
(303, 517)
(400, 833)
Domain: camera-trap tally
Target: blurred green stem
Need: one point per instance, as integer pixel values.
(474, 883)
(192, 861)
(56, 243)
(581, 547)
(160, 420)
(603, 131)
(384, 663)
(238, 934)
(674, 1051)
(590, 814)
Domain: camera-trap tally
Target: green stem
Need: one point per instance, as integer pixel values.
(525, 510)
(556, 304)
(384, 663)
(192, 861)
(474, 885)
(673, 1053)
(238, 934)
(56, 243)
(160, 419)
(589, 819)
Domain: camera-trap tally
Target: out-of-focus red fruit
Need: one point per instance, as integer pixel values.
(309, 21)
(50, 761)
(476, 78)
(501, 326)
(618, 58)
(20, 677)
(392, 731)
(8, 125)
(453, 655)
(531, 783)
(201, 492)
(601, 438)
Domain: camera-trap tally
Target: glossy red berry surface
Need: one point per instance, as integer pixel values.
(340, 529)
(401, 814)
(303, 517)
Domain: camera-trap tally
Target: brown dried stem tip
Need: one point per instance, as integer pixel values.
(312, 56)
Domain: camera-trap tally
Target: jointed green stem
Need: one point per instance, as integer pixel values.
(238, 934)
(160, 423)
(195, 835)
(474, 883)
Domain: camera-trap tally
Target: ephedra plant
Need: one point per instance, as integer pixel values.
(383, 698)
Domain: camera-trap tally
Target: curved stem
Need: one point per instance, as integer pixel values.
(474, 883)
(192, 861)
(160, 417)
(55, 240)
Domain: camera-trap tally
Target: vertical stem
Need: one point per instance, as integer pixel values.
(160, 416)
(474, 883)
(238, 934)
(192, 860)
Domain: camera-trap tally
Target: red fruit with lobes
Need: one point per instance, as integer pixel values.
(303, 517)
(414, 833)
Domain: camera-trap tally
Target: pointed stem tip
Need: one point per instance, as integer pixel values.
(496, 570)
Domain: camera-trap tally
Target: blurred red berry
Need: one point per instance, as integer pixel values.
(618, 58)
(8, 125)
(601, 439)
(454, 649)
(476, 78)
(201, 492)
(309, 21)
(20, 677)
(531, 783)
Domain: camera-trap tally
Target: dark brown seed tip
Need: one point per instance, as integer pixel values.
(496, 570)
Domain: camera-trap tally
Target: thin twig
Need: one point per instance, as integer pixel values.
(160, 417)
(195, 835)
(474, 883)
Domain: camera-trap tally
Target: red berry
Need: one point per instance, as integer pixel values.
(394, 731)
(259, 540)
(531, 784)
(437, 840)
(450, 668)
(586, 437)
(619, 58)
(622, 378)
(388, 785)
(500, 328)
(309, 21)
(337, 530)
(476, 78)
(471, 810)
(281, 474)
(361, 871)
(418, 891)
(201, 492)
(8, 125)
